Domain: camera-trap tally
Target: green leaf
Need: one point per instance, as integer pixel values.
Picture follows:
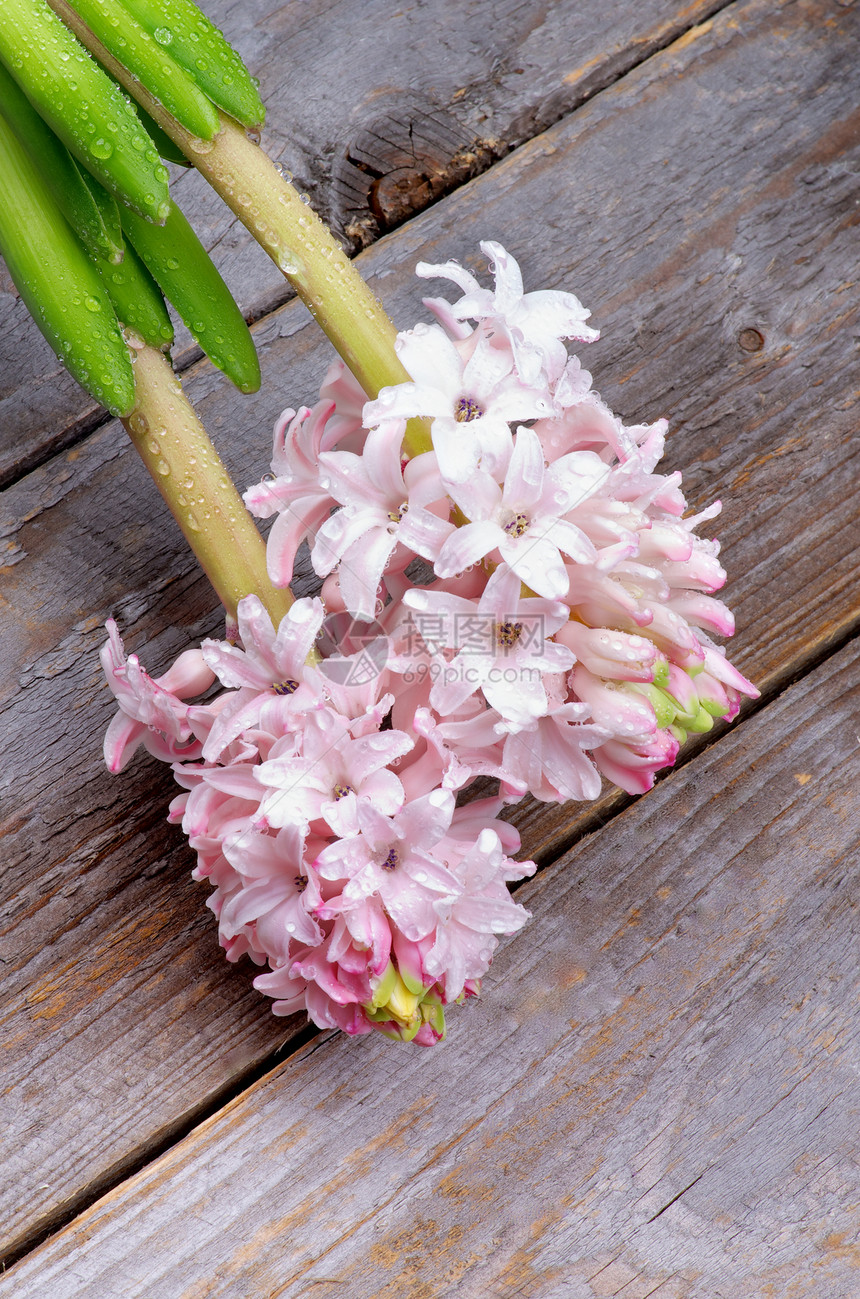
(134, 47)
(181, 267)
(195, 43)
(137, 299)
(60, 172)
(58, 282)
(82, 105)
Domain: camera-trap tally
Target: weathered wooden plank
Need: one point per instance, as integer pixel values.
(129, 997)
(659, 1095)
(473, 80)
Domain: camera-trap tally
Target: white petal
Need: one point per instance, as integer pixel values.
(466, 546)
(537, 562)
(524, 479)
(432, 359)
(360, 572)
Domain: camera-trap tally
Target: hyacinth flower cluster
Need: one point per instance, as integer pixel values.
(522, 597)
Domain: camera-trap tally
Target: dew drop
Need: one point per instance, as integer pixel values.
(101, 148)
(287, 262)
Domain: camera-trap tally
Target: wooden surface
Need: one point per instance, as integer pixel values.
(659, 1088)
(690, 963)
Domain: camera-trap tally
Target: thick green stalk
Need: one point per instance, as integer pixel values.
(289, 231)
(189, 474)
(312, 260)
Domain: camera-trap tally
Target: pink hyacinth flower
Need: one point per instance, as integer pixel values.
(480, 391)
(295, 493)
(151, 711)
(503, 647)
(524, 520)
(534, 323)
(469, 923)
(392, 857)
(333, 775)
(270, 665)
(383, 505)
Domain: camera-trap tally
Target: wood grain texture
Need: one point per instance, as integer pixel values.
(118, 1004)
(659, 1095)
(501, 69)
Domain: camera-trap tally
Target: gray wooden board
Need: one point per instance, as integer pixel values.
(118, 1005)
(658, 1095)
(495, 70)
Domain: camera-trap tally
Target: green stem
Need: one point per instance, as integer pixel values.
(188, 472)
(290, 232)
(302, 246)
